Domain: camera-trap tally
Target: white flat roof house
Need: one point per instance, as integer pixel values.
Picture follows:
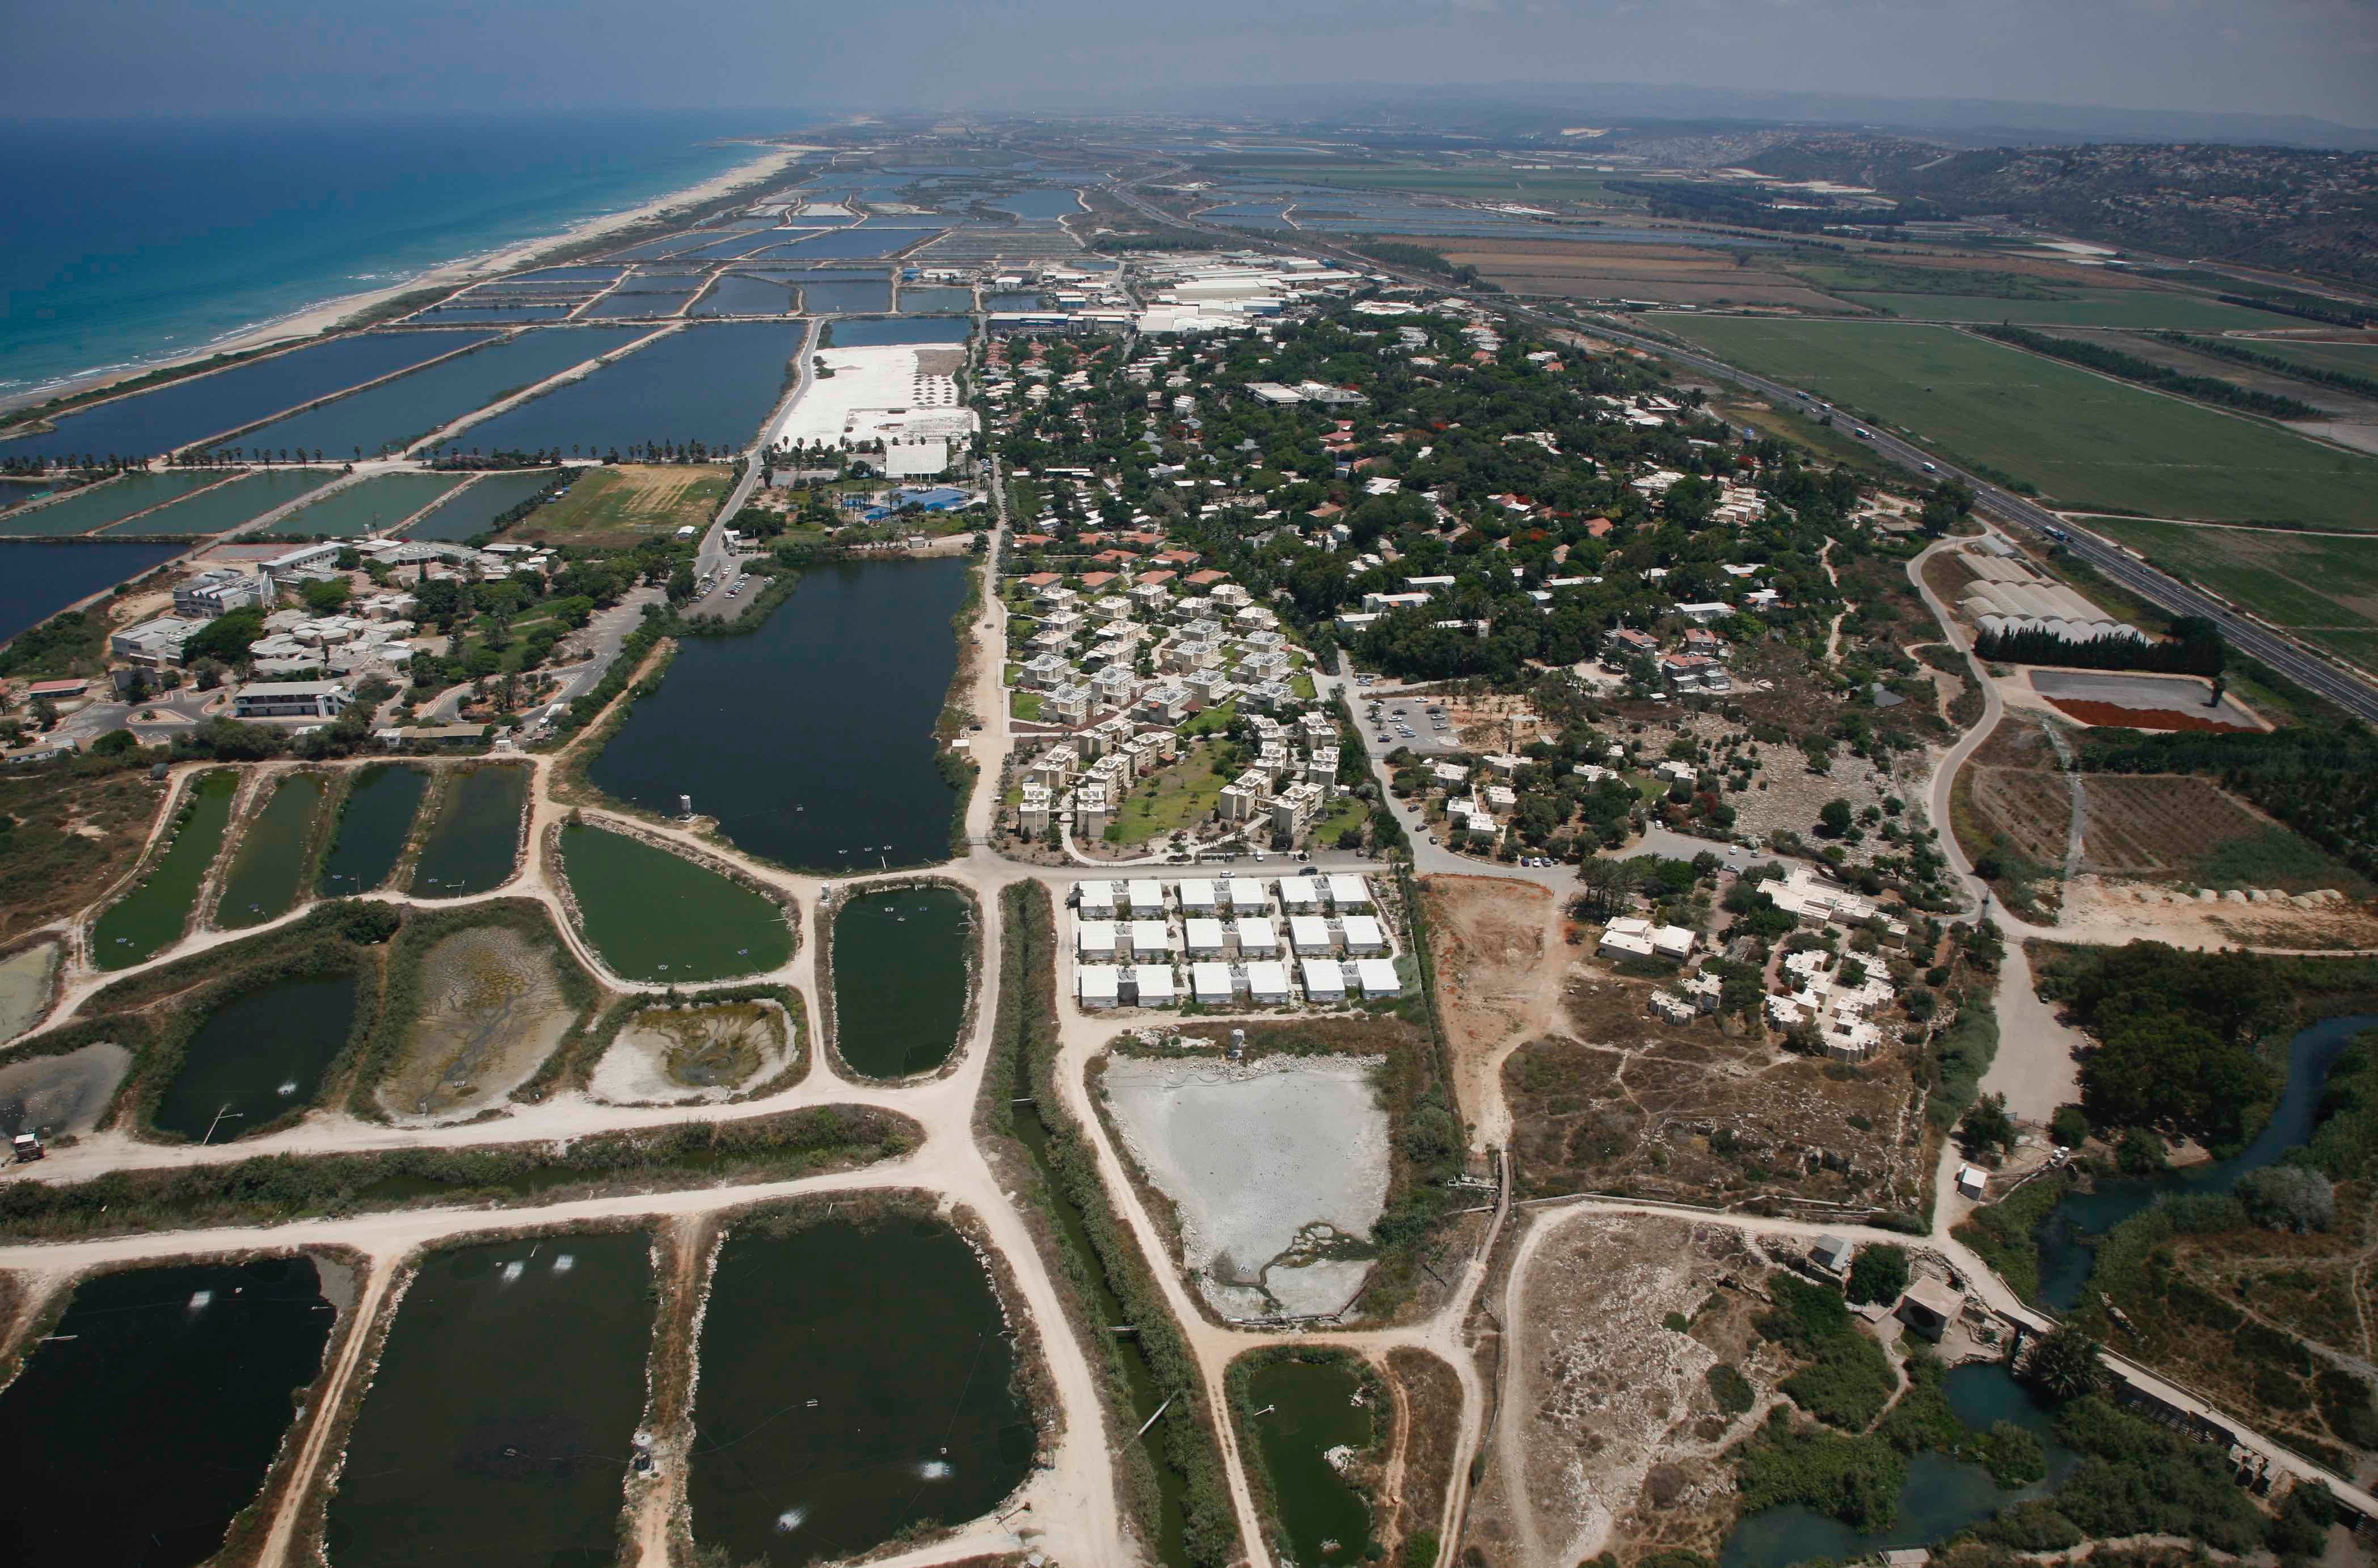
(1310, 934)
(1247, 897)
(1348, 891)
(1324, 980)
(1150, 939)
(1095, 938)
(1267, 981)
(1154, 982)
(1255, 936)
(1210, 983)
(1098, 898)
(1147, 896)
(1300, 893)
(290, 699)
(1097, 985)
(1204, 937)
(1625, 937)
(1379, 977)
(1196, 896)
(1363, 935)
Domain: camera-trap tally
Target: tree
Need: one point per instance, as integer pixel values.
(1607, 883)
(2064, 1364)
(1835, 817)
(1881, 1273)
(1987, 1125)
(2287, 1197)
(2071, 1127)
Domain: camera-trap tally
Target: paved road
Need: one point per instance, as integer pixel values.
(2343, 687)
(711, 558)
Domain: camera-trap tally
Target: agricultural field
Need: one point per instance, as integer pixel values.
(1484, 183)
(2325, 590)
(2149, 347)
(618, 507)
(1674, 274)
(2083, 307)
(2084, 441)
(2353, 358)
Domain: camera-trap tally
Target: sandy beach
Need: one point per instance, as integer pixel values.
(334, 312)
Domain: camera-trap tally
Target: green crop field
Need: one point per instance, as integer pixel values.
(2087, 443)
(2080, 307)
(1486, 184)
(2325, 590)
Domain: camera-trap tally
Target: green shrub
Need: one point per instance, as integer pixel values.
(1855, 1479)
(1733, 1391)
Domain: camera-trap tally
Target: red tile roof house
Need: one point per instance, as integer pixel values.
(1098, 579)
(1599, 527)
(1030, 541)
(1147, 577)
(1042, 579)
(1113, 557)
(1202, 579)
(1178, 558)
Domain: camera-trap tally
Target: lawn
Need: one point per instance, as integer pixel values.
(2315, 587)
(616, 507)
(1212, 721)
(2081, 308)
(1350, 812)
(1024, 705)
(1170, 798)
(2088, 443)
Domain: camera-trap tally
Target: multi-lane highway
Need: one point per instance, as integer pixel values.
(2347, 690)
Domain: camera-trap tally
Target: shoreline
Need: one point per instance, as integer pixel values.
(329, 313)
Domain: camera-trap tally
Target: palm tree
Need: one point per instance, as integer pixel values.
(2064, 1364)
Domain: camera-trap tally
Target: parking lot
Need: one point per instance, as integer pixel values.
(1419, 726)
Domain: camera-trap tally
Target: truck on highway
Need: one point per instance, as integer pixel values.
(2058, 535)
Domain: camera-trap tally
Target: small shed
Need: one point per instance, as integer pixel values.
(1973, 1181)
(1833, 1254)
(1929, 1307)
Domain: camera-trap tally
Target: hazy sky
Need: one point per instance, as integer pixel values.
(109, 58)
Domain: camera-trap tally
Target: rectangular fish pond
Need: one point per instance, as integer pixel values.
(475, 839)
(861, 1381)
(736, 296)
(258, 1057)
(655, 915)
(38, 579)
(874, 332)
(375, 821)
(150, 1415)
(370, 506)
(500, 1422)
(783, 788)
(270, 865)
(1299, 1412)
(901, 963)
(226, 507)
(473, 509)
(152, 916)
(98, 506)
(712, 382)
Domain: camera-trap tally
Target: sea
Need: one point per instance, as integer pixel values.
(130, 242)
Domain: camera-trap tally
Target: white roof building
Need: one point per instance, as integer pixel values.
(1210, 983)
(1147, 896)
(1267, 981)
(1625, 937)
(1154, 982)
(1196, 896)
(1256, 936)
(1324, 980)
(1097, 985)
(1363, 935)
(1379, 977)
(1095, 938)
(1098, 898)
(1148, 939)
(1204, 937)
(1299, 893)
(1247, 897)
(1348, 891)
(1310, 934)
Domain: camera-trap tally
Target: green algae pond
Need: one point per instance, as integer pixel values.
(655, 915)
(475, 840)
(369, 506)
(150, 1416)
(900, 970)
(270, 865)
(151, 917)
(499, 1423)
(375, 821)
(258, 1056)
(862, 1382)
(1300, 1412)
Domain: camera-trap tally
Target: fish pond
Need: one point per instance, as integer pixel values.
(861, 244)
(101, 505)
(473, 509)
(489, 1009)
(1940, 1496)
(147, 1419)
(874, 332)
(862, 1382)
(1300, 1412)
(2068, 1248)
(735, 295)
(26, 977)
(475, 839)
(270, 865)
(901, 962)
(1045, 205)
(935, 301)
(258, 1056)
(387, 417)
(191, 409)
(702, 1051)
(38, 580)
(499, 1423)
(228, 506)
(655, 915)
(373, 823)
(827, 292)
(711, 384)
(783, 788)
(152, 915)
(369, 506)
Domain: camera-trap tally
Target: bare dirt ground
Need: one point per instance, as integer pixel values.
(1501, 953)
(680, 1055)
(61, 1094)
(25, 980)
(1609, 1432)
(2097, 911)
(1632, 1103)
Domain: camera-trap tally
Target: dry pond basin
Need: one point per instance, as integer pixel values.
(25, 979)
(1268, 1164)
(492, 1010)
(702, 1052)
(55, 1095)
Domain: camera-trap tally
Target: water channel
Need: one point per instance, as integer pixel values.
(476, 839)
(152, 916)
(266, 872)
(258, 1056)
(146, 1418)
(499, 1426)
(809, 739)
(873, 1389)
(2067, 1248)
(900, 969)
(373, 823)
(1940, 1496)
